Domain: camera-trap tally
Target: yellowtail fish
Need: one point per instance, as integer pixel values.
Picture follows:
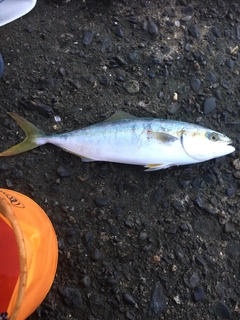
(154, 143)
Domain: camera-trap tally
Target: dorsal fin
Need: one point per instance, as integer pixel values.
(120, 115)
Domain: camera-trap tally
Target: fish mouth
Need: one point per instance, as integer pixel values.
(229, 143)
(230, 146)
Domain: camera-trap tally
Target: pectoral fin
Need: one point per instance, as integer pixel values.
(154, 167)
(163, 136)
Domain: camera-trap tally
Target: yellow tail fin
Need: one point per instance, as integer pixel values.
(32, 133)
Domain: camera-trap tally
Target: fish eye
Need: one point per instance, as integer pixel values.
(213, 136)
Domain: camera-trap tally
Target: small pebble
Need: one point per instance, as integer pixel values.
(187, 47)
(85, 282)
(179, 251)
(87, 38)
(119, 32)
(209, 259)
(112, 281)
(156, 60)
(101, 201)
(143, 235)
(158, 300)
(191, 280)
(64, 171)
(220, 3)
(177, 299)
(229, 63)
(178, 205)
(9, 184)
(236, 174)
(236, 164)
(218, 94)
(1, 65)
(210, 77)
(71, 297)
(4, 167)
(45, 110)
(156, 258)
(131, 86)
(129, 299)
(114, 230)
(62, 72)
(197, 66)
(211, 38)
(104, 80)
(42, 109)
(152, 75)
(230, 192)
(216, 32)
(156, 197)
(194, 31)
(73, 236)
(130, 315)
(186, 18)
(233, 251)
(233, 50)
(173, 108)
(238, 32)
(134, 56)
(152, 28)
(121, 61)
(229, 227)
(88, 239)
(195, 84)
(175, 96)
(199, 202)
(133, 19)
(209, 105)
(222, 310)
(198, 294)
(95, 254)
(187, 9)
(160, 95)
(72, 219)
(200, 260)
(106, 45)
(128, 223)
(184, 227)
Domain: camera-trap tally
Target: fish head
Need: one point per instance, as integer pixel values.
(204, 144)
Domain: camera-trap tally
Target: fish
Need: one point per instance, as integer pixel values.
(123, 138)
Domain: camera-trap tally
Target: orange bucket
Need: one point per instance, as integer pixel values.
(28, 255)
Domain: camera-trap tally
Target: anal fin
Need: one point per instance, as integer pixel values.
(85, 159)
(159, 166)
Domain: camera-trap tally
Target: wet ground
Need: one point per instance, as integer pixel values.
(132, 245)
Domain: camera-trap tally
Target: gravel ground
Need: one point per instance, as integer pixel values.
(132, 245)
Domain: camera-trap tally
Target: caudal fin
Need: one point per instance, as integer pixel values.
(30, 142)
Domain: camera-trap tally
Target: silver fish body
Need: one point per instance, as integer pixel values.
(153, 143)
